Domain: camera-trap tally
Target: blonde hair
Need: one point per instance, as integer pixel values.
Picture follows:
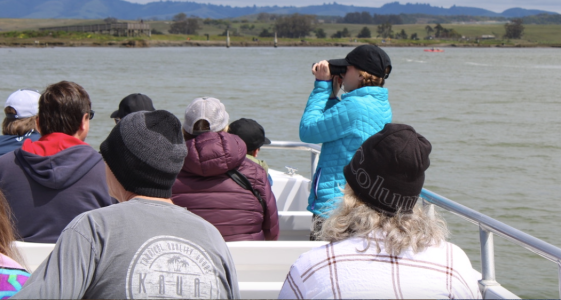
(200, 125)
(371, 80)
(7, 232)
(17, 127)
(353, 218)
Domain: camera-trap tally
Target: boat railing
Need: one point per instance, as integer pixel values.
(312, 148)
(487, 225)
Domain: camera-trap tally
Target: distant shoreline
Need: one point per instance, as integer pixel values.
(197, 43)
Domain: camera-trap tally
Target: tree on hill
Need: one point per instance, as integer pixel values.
(429, 30)
(401, 35)
(392, 19)
(441, 32)
(320, 33)
(294, 26)
(179, 17)
(364, 33)
(358, 18)
(385, 30)
(246, 27)
(352, 18)
(438, 29)
(266, 17)
(514, 29)
(366, 18)
(341, 34)
(266, 33)
(183, 25)
(453, 34)
(449, 33)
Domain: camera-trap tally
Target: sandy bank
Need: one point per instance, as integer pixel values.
(14, 43)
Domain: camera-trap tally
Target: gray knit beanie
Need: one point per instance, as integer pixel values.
(145, 152)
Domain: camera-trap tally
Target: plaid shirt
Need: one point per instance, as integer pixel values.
(339, 270)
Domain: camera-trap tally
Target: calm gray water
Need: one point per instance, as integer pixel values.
(492, 116)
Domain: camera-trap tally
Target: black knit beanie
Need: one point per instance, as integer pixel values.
(145, 151)
(388, 171)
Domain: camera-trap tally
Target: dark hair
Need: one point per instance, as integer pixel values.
(17, 127)
(200, 125)
(62, 107)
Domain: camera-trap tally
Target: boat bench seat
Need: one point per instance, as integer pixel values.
(261, 266)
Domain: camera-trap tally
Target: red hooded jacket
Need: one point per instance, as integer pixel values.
(204, 188)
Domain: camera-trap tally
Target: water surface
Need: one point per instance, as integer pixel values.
(492, 116)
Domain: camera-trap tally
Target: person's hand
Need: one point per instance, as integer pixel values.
(321, 70)
(337, 81)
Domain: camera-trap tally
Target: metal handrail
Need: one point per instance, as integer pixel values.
(487, 225)
(314, 149)
(529, 242)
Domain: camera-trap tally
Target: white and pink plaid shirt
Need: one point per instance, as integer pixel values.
(340, 271)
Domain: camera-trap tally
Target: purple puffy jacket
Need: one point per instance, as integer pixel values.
(204, 188)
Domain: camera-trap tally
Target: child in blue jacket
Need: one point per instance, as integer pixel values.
(342, 125)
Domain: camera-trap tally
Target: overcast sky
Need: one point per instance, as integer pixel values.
(492, 5)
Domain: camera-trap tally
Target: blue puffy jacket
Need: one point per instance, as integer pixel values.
(342, 126)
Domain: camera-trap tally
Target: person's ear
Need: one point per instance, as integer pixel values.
(84, 128)
(85, 119)
(37, 125)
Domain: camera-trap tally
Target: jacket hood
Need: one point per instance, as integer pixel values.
(61, 170)
(214, 153)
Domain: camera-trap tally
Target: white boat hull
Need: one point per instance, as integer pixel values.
(291, 192)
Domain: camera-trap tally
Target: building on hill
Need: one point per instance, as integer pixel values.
(116, 29)
(488, 37)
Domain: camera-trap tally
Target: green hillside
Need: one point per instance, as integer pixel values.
(246, 31)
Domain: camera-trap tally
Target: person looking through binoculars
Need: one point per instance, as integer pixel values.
(342, 125)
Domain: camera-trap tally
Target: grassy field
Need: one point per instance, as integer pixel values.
(548, 34)
(35, 24)
(245, 32)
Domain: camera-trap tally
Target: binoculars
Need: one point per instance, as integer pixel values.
(335, 70)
